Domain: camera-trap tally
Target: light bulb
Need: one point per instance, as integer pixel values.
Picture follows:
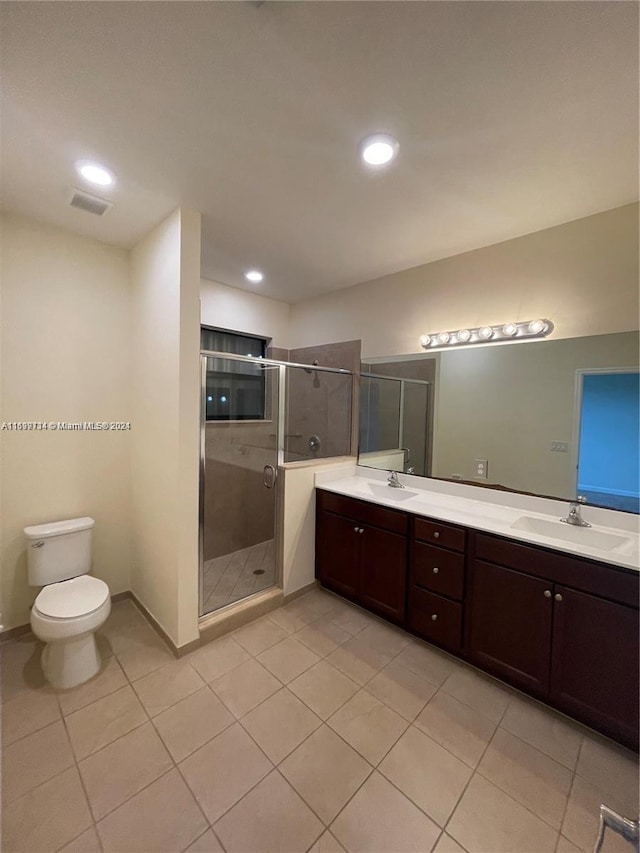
(425, 340)
(94, 173)
(464, 335)
(509, 329)
(486, 333)
(537, 326)
(254, 275)
(378, 149)
(444, 338)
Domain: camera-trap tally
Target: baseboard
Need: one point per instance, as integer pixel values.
(157, 627)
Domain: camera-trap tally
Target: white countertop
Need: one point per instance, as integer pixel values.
(614, 537)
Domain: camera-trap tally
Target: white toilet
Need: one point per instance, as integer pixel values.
(72, 605)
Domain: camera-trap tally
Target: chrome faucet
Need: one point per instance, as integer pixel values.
(393, 480)
(575, 513)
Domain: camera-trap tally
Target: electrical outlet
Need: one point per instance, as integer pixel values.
(480, 469)
(560, 446)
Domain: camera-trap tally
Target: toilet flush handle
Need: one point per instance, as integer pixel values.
(38, 544)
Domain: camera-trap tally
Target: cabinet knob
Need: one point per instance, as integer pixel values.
(356, 530)
(435, 570)
(557, 596)
(434, 617)
(547, 593)
(436, 535)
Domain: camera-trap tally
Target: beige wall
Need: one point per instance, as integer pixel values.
(242, 311)
(508, 403)
(582, 275)
(65, 357)
(165, 413)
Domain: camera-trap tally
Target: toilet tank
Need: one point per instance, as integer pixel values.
(59, 550)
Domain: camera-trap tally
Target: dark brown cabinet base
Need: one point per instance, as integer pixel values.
(561, 628)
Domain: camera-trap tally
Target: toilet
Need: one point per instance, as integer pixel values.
(71, 605)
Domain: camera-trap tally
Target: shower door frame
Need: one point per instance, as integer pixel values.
(279, 421)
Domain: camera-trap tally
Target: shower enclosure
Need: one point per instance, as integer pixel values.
(395, 424)
(257, 415)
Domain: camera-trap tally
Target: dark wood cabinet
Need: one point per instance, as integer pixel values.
(594, 666)
(363, 555)
(510, 625)
(562, 628)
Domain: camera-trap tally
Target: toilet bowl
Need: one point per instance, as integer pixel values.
(66, 616)
(71, 605)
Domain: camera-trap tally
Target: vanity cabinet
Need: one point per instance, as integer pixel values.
(361, 553)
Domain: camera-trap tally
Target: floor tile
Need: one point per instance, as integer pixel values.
(259, 635)
(604, 763)
(280, 724)
(529, 776)
(326, 772)
(140, 658)
(162, 817)
(457, 727)
(430, 776)
(323, 689)
(427, 662)
(26, 713)
(223, 770)
(189, 724)
(327, 843)
(401, 689)
(489, 821)
(271, 817)
(214, 659)
(163, 688)
(294, 616)
(322, 637)
(20, 668)
(34, 759)
(46, 818)
(379, 819)
(580, 823)
(102, 722)
(349, 618)
(206, 843)
(108, 680)
(566, 846)
(480, 693)
(288, 659)
(446, 844)
(245, 687)
(368, 725)
(87, 842)
(543, 728)
(385, 638)
(123, 768)
(358, 660)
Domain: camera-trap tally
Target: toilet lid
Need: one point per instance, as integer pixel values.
(75, 597)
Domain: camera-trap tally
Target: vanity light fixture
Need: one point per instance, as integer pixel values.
(254, 276)
(379, 149)
(485, 334)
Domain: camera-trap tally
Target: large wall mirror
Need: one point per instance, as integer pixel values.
(556, 418)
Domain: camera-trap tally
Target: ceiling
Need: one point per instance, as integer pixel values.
(511, 117)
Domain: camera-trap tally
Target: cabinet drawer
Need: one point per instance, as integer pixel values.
(439, 534)
(435, 618)
(367, 513)
(438, 570)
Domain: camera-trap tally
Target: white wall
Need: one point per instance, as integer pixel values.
(165, 279)
(65, 357)
(242, 311)
(582, 275)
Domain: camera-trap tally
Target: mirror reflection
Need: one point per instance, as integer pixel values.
(556, 418)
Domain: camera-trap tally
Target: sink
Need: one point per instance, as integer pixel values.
(387, 492)
(588, 536)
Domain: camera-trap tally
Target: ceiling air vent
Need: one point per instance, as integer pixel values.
(90, 203)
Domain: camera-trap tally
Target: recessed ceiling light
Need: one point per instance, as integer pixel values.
(254, 275)
(379, 149)
(95, 174)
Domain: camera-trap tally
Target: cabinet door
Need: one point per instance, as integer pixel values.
(594, 673)
(509, 626)
(384, 572)
(337, 553)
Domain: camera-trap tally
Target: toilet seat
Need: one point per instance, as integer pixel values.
(72, 598)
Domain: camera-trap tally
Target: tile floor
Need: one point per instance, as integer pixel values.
(317, 728)
(232, 577)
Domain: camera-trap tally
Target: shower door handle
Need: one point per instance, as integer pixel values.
(269, 475)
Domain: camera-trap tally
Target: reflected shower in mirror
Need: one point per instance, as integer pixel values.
(555, 418)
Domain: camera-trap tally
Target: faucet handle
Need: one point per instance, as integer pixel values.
(581, 499)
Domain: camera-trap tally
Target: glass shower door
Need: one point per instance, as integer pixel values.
(239, 461)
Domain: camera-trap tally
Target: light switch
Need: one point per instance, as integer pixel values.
(561, 446)
(480, 469)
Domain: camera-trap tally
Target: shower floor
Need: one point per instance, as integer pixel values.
(233, 576)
